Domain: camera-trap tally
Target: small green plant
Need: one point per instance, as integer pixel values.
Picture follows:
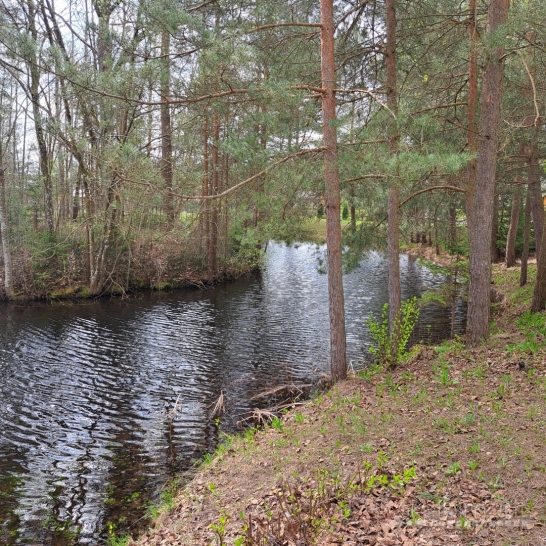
(442, 373)
(529, 506)
(298, 417)
(117, 540)
(219, 529)
(167, 500)
(370, 371)
(414, 517)
(477, 372)
(473, 465)
(454, 469)
(464, 523)
(389, 345)
(250, 433)
(276, 423)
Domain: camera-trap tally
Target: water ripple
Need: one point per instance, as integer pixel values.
(88, 391)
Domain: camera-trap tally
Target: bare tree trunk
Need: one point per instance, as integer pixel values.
(482, 205)
(224, 216)
(338, 362)
(77, 197)
(166, 129)
(537, 206)
(34, 91)
(212, 249)
(393, 243)
(353, 209)
(526, 237)
(510, 259)
(452, 226)
(205, 184)
(4, 235)
(539, 293)
(472, 108)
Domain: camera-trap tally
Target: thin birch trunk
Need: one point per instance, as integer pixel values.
(4, 235)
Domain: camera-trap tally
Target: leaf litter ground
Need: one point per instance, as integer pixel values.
(446, 449)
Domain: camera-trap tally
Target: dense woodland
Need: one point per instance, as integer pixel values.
(163, 142)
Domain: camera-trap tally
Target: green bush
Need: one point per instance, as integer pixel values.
(390, 346)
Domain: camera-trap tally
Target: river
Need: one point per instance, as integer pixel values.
(102, 401)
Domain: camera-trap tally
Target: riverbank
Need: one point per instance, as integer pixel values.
(446, 449)
(150, 276)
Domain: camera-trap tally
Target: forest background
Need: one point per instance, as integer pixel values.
(155, 143)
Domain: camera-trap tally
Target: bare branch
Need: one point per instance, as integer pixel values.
(276, 25)
(439, 107)
(535, 102)
(372, 94)
(252, 178)
(432, 188)
(363, 177)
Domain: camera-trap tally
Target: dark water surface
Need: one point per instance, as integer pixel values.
(88, 390)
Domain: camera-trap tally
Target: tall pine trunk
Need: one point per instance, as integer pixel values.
(166, 128)
(537, 206)
(336, 301)
(205, 226)
(526, 237)
(482, 202)
(393, 243)
(472, 108)
(212, 247)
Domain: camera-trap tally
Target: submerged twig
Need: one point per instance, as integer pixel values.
(220, 406)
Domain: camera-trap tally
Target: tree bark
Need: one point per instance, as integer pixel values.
(472, 108)
(539, 293)
(495, 254)
(205, 184)
(526, 237)
(4, 235)
(34, 91)
(166, 129)
(510, 258)
(537, 206)
(212, 249)
(482, 202)
(338, 363)
(352, 209)
(452, 227)
(393, 243)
